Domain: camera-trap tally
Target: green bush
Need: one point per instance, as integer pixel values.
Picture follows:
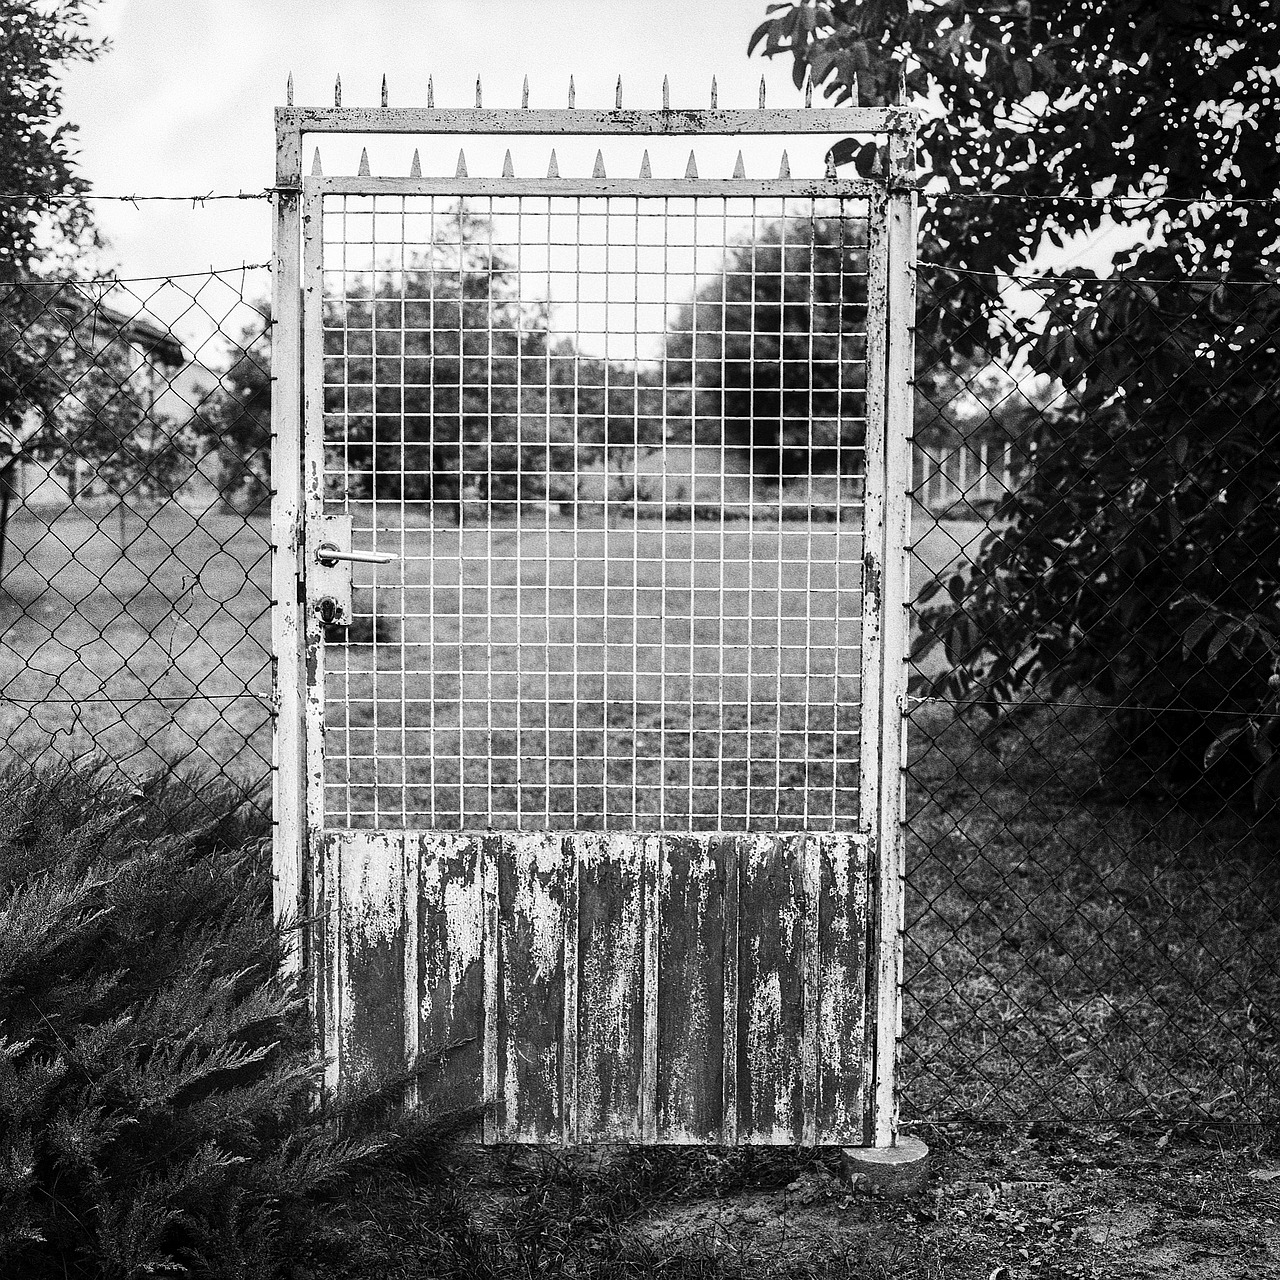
(158, 1112)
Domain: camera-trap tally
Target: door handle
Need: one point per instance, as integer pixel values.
(329, 553)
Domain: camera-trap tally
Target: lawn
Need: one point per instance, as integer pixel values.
(145, 636)
(1067, 954)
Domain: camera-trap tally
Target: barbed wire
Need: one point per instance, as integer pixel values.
(1061, 197)
(51, 198)
(58, 281)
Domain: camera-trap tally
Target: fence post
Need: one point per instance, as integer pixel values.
(289, 845)
(895, 600)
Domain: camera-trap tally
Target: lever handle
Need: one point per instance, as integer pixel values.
(329, 553)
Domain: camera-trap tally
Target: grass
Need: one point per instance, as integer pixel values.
(1067, 954)
(146, 639)
(146, 636)
(1072, 954)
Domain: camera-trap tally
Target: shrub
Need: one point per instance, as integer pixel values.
(158, 1110)
(1140, 559)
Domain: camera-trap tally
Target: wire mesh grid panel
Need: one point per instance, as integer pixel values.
(614, 447)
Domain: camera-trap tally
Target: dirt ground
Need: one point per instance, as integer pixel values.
(1043, 1201)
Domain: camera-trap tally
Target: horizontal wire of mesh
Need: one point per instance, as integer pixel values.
(615, 446)
(135, 534)
(1092, 914)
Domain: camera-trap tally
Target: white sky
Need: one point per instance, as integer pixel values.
(182, 103)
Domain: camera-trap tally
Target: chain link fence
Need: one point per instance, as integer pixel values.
(135, 535)
(1092, 917)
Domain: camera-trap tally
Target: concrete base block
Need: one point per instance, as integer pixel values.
(899, 1170)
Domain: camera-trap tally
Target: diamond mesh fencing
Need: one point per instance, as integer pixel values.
(1092, 919)
(135, 534)
(1092, 916)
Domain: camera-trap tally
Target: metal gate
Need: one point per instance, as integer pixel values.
(590, 583)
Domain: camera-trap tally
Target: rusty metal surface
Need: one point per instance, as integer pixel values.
(718, 976)
(583, 991)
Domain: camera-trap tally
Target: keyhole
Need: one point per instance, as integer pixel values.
(328, 609)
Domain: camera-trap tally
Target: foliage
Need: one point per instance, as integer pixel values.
(1152, 505)
(46, 215)
(1145, 564)
(453, 387)
(769, 350)
(84, 378)
(36, 42)
(156, 1076)
(236, 421)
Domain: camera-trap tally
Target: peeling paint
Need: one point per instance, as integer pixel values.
(790, 1078)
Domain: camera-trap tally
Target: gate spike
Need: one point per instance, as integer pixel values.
(431, 93)
(337, 90)
(553, 168)
(461, 170)
(415, 169)
(808, 89)
(784, 169)
(524, 95)
(598, 171)
(715, 96)
(853, 88)
(762, 93)
(364, 163)
(384, 88)
(479, 102)
(902, 84)
(316, 170)
(831, 166)
(572, 95)
(645, 171)
(739, 169)
(508, 170)
(617, 95)
(288, 91)
(666, 94)
(691, 169)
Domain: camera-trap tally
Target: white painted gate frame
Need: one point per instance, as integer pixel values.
(296, 630)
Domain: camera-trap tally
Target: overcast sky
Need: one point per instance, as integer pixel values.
(182, 103)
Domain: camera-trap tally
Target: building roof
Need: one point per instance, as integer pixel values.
(138, 329)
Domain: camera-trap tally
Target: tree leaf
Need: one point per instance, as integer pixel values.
(1230, 628)
(1221, 743)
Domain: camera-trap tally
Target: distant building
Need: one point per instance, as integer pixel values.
(161, 384)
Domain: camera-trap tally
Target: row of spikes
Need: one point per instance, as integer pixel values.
(524, 96)
(553, 169)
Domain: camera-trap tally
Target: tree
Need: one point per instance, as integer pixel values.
(36, 162)
(234, 424)
(45, 215)
(774, 348)
(1142, 559)
(435, 368)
